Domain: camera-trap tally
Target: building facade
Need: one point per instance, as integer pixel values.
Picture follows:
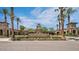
(4, 29)
(72, 28)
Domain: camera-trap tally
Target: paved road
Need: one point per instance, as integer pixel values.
(40, 46)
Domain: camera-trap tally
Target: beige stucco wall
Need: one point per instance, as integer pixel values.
(3, 27)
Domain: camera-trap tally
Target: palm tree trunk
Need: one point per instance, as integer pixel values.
(68, 22)
(62, 31)
(12, 28)
(59, 23)
(5, 17)
(12, 22)
(17, 27)
(59, 26)
(62, 22)
(68, 18)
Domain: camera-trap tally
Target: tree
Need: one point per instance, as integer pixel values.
(5, 12)
(51, 29)
(61, 10)
(59, 22)
(22, 27)
(62, 21)
(31, 30)
(44, 29)
(18, 20)
(69, 12)
(12, 22)
(57, 27)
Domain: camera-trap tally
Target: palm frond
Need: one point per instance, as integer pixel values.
(8, 13)
(5, 11)
(71, 10)
(65, 14)
(18, 19)
(56, 10)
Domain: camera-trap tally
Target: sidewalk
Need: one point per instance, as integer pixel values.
(5, 39)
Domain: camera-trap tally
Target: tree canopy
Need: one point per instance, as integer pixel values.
(22, 27)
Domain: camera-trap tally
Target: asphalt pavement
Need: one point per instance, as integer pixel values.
(39, 45)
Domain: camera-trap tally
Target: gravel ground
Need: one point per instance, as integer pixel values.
(39, 46)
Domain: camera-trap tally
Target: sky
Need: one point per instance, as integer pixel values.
(31, 16)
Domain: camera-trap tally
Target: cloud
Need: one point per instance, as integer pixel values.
(46, 18)
(36, 12)
(49, 15)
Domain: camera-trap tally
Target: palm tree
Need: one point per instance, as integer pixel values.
(22, 28)
(61, 10)
(57, 27)
(69, 12)
(18, 20)
(5, 12)
(12, 21)
(62, 21)
(59, 22)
